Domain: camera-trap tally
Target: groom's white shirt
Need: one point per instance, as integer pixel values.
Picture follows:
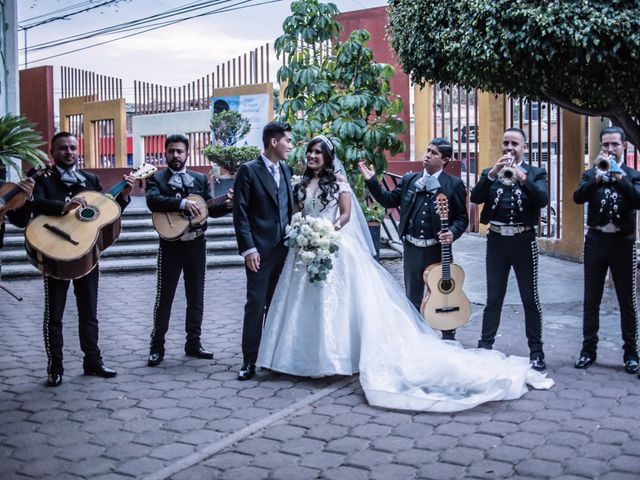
(267, 163)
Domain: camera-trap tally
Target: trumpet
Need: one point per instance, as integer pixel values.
(507, 176)
(603, 165)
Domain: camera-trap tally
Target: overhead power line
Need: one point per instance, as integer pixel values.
(140, 22)
(60, 10)
(60, 15)
(237, 6)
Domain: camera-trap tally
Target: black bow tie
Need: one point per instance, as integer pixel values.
(180, 181)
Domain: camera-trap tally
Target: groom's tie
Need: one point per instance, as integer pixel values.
(273, 168)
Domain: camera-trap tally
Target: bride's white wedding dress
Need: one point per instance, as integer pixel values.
(359, 319)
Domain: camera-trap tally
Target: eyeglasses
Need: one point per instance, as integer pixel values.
(611, 145)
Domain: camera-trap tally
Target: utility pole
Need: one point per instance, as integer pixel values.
(26, 64)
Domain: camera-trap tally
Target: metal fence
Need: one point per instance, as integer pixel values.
(154, 151)
(76, 123)
(542, 124)
(248, 69)
(455, 116)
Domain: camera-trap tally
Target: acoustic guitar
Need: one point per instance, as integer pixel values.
(172, 225)
(13, 197)
(69, 246)
(445, 305)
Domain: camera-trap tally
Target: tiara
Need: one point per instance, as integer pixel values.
(324, 140)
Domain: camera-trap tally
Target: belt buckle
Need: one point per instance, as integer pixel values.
(610, 228)
(507, 230)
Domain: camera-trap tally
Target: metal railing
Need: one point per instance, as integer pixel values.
(393, 214)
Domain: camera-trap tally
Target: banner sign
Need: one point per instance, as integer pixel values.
(254, 108)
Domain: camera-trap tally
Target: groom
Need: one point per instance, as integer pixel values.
(419, 220)
(262, 206)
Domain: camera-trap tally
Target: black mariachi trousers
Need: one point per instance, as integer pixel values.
(520, 252)
(415, 261)
(261, 286)
(174, 258)
(55, 298)
(615, 251)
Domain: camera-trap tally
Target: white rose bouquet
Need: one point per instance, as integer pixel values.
(314, 240)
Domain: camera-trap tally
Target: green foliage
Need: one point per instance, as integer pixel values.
(340, 89)
(581, 55)
(373, 212)
(229, 127)
(19, 141)
(230, 158)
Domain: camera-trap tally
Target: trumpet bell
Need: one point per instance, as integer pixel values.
(602, 166)
(507, 176)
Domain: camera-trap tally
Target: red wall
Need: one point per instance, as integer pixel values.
(36, 100)
(374, 21)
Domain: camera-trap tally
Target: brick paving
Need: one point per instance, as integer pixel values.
(191, 419)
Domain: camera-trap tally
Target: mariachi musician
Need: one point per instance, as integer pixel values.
(613, 192)
(419, 219)
(513, 194)
(166, 192)
(55, 195)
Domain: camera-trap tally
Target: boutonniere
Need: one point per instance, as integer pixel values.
(295, 179)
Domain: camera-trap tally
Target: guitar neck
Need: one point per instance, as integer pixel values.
(445, 253)
(6, 198)
(116, 189)
(219, 200)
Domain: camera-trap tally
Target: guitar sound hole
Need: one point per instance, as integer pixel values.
(446, 286)
(87, 214)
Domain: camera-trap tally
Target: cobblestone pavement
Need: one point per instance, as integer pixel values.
(191, 419)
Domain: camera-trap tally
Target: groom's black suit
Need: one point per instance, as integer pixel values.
(261, 211)
(417, 209)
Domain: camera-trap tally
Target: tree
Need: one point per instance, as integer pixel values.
(336, 88)
(19, 141)
(580, 55)
(229, 127)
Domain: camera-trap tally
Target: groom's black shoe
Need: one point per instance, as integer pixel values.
(198, 352)
(247, 371)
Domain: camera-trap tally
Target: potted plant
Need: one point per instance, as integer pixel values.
(227, 129)
(19, 141)
(374, 213)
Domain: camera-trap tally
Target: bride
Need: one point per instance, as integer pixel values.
(359, 320)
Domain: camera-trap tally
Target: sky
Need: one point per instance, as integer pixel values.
(171, 56)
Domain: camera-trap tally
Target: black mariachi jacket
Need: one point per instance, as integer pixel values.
(534, 194)
(614, 202)
(51, 193)
(162, 197)
(404, 196)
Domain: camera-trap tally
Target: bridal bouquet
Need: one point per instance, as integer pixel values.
(314, 240)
